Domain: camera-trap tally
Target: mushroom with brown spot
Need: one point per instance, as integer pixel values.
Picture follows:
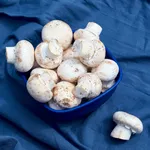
(89, 86)
(49, 54)
(22, 56)
(63, 95)
(59, 30)
(126, 125)
(70, 69)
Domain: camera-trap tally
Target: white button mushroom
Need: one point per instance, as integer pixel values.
(71, 69)
(39, 87)
(107, 70)
(126, 125)
(63, 95)
(22, 56)
(59, 30)
(52, 104)
(49, 55)
(40, 71)
(89, 86)
(91, 53)
(92, 31)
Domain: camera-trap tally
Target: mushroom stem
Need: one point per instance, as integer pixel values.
(121, 132)
(54, 49)
(10, 54)
(94, 28)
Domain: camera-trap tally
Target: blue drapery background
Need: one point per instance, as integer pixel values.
(126, 32)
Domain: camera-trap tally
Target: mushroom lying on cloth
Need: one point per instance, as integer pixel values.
(126, 125)
(49, 55)
(40, 87)
(107, 70)
(92, 31)
(89, 86)
(40, 71)
(63, 95)
(22, 56)
(70, 69)
(59, 30)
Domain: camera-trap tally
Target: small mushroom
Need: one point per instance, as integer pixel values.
(52, 104)
(40, 87)
(92, 31)
(107, 70)
(49, 55)
(22, 56)
(63, 95)
(40, 71)
(89, 86)
(59, 30)
(126, 125)
(90, 53)
(70, 69)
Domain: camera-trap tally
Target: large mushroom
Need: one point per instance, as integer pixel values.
(91, 31)
(22, 56)
(70, 69)
(107, 70)
(63, 95)
(40, 71)
(49, 55)
(126, 125)
(59, 30)
(89, 86)
(40, 87)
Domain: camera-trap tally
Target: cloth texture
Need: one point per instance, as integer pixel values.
(126, 33)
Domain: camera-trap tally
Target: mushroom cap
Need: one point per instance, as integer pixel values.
(40, 71)
(71, 69)
(97, 54)
(57, 29)
(40, 86)
(52, 104)
(63, 95)
(24, 56)
(107, 70)
(128, 121)
(43, 59)
(89, 86)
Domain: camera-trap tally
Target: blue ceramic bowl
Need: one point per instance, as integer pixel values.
(79, 111)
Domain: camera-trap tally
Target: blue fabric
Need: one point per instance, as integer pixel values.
(126, 32)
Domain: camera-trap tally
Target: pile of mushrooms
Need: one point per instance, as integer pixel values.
(65, 67)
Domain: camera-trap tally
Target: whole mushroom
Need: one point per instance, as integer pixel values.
(22, 56)
(70, 69)
(63, 95)
(49, 55)
(126, 125)
(107, 70)
(91, 31)
(40, 87)
(40, 71)
(89, 86)
(59, 30)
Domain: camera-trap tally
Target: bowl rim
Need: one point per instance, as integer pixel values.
(89, 102)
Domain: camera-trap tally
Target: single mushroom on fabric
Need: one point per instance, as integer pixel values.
(89, 86)
(70, 69)
(91, 53)
(91, 31)
(52, 104)
(22, 56)
(107, 70)
(40, 87)
(63, 95)
(126, 125)
(59, 30)
(49, 55)
(40, 71)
